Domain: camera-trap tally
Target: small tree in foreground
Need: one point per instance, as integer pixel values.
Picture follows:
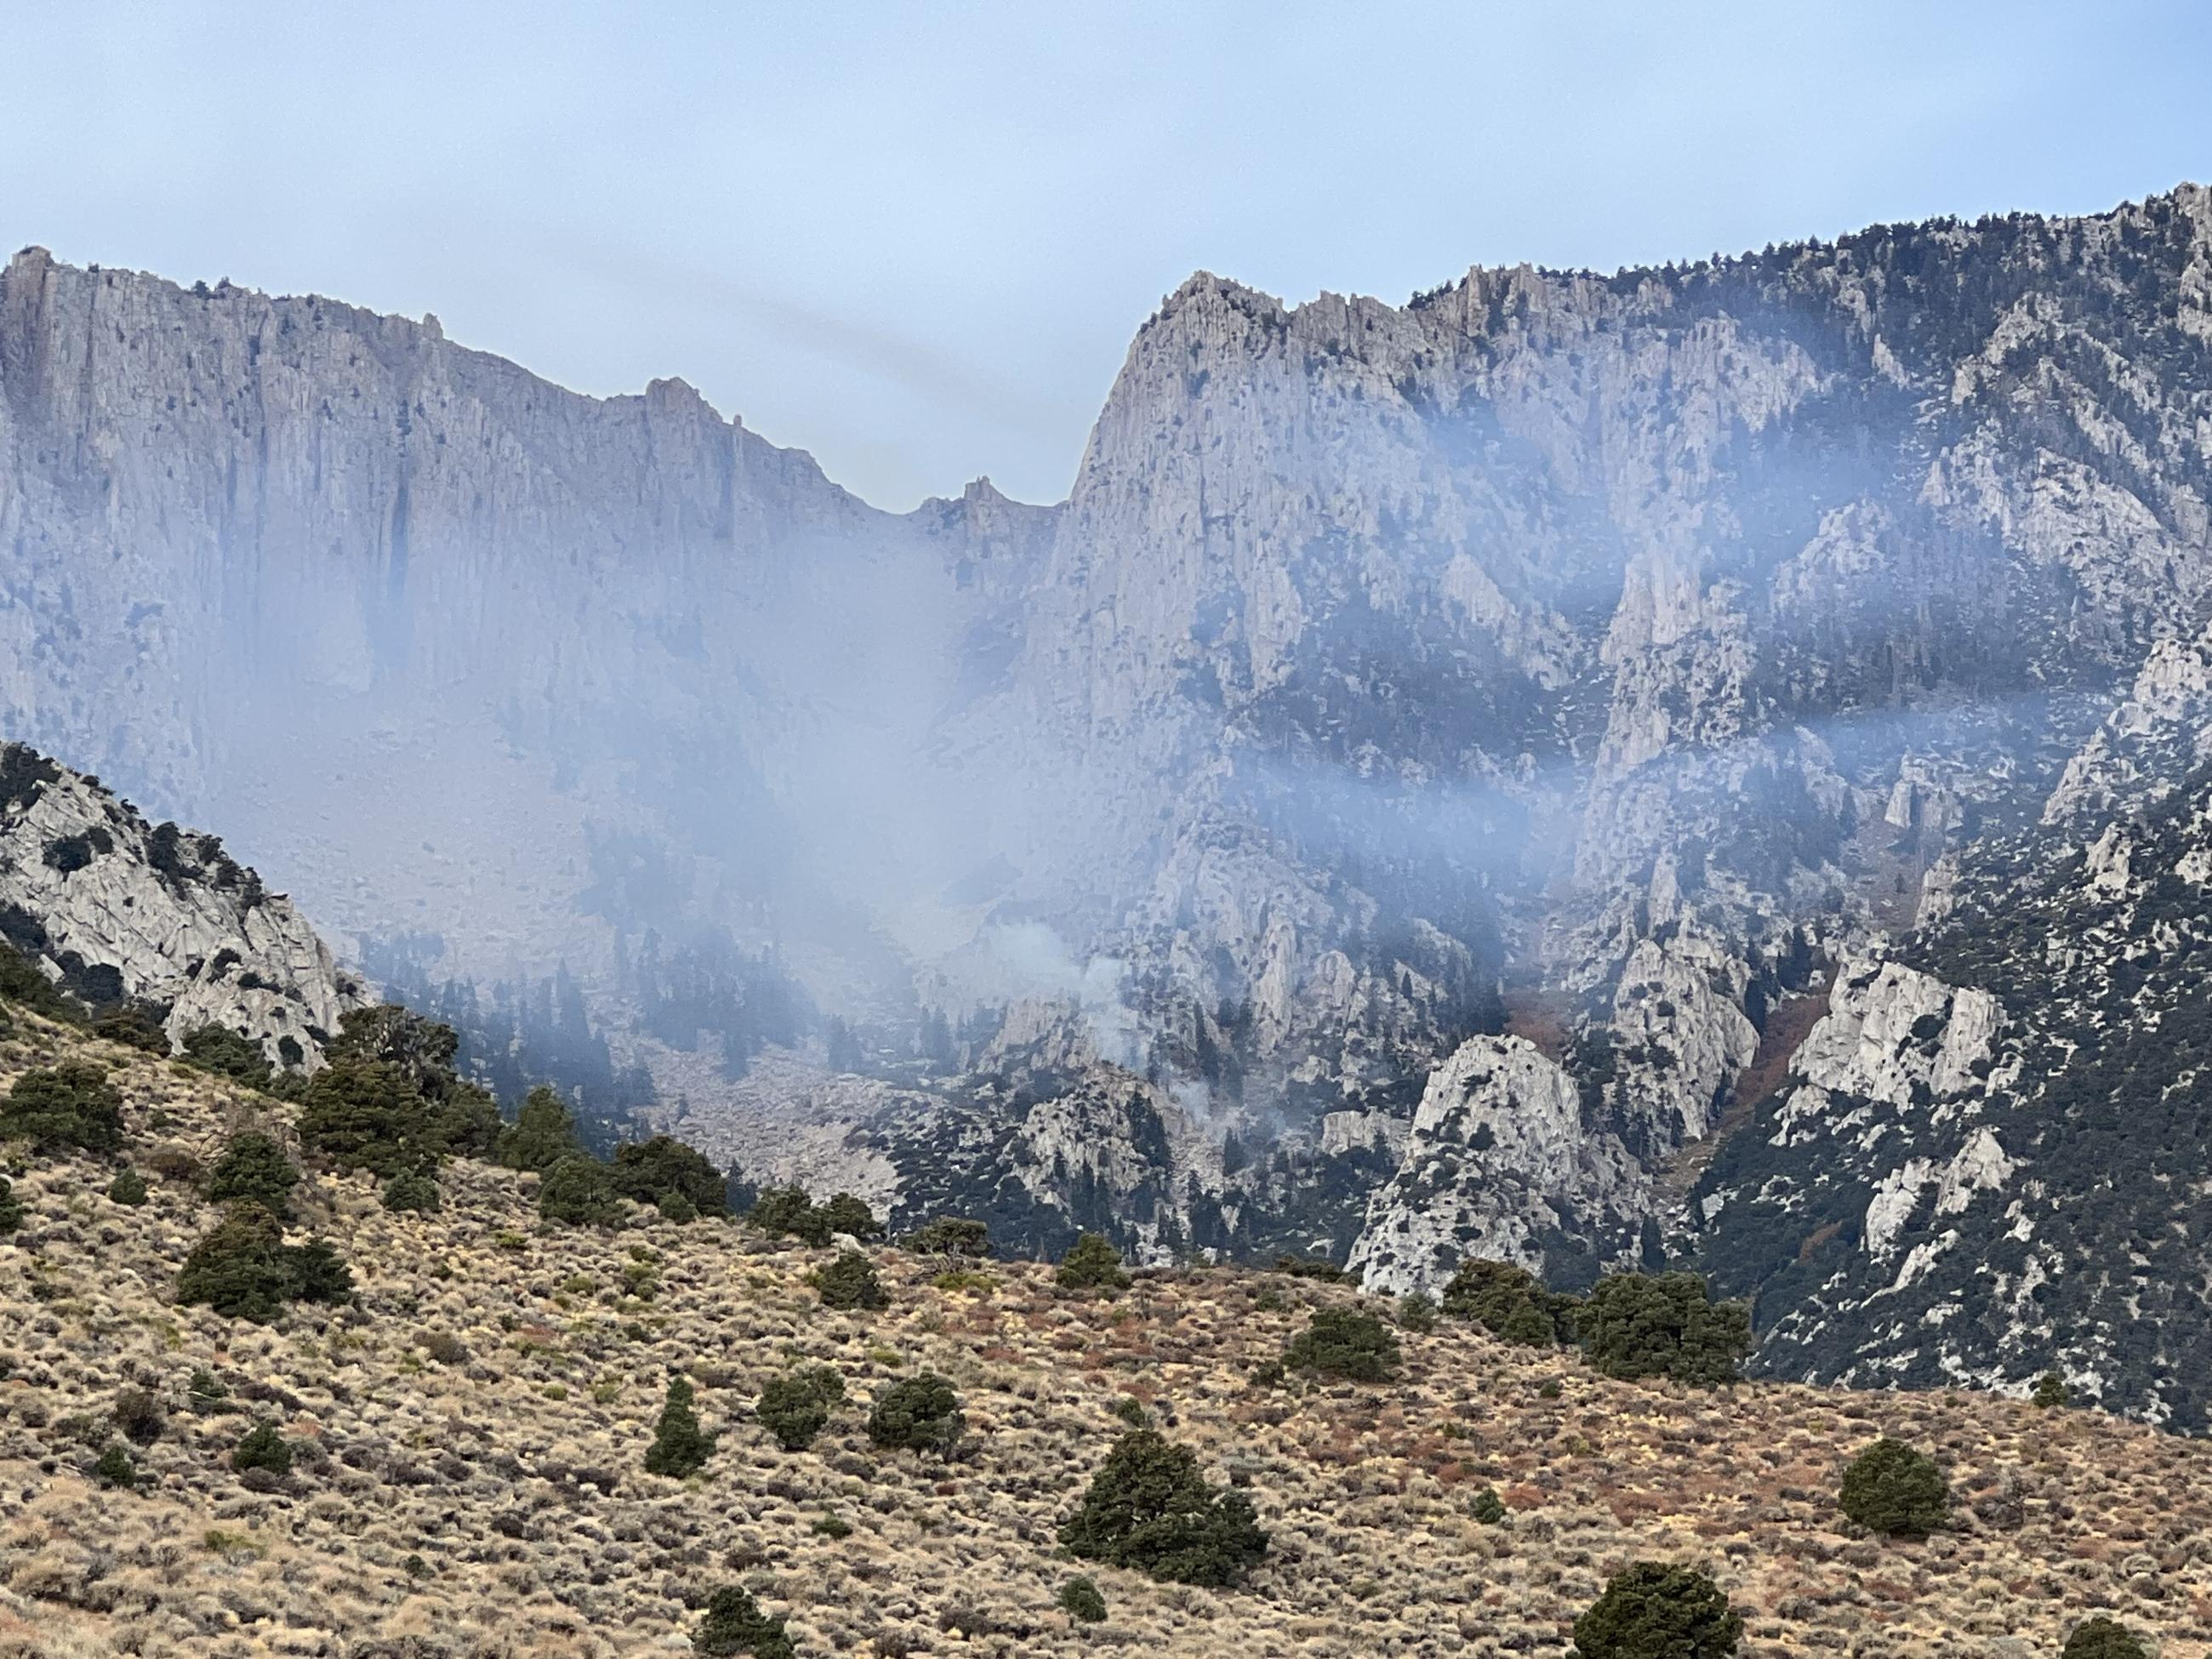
(796, 1407)
(734, 1624)
(781, 1211)
(2100, 1638)
(1092, 1264)
(952, 1236)
(1637, 1325)
(1655, 1611)
(2050, 1391)
(680, 1447)
(850, 1282)
(116, 1466)
(1080, 1600)
(919, 1413)
(71, 1104)
(128, 1188)
(577, 1191)
(543, 1134)
(1149, 1507)
(1891, 1489)
(243, 1269)
(1511, 1302)
(1344, 1342)
(263, 1447)
(254, 1168)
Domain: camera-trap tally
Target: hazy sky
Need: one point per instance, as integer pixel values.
(915, 240)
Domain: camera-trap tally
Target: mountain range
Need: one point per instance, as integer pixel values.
(1701, 763)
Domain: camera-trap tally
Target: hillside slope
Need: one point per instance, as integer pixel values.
(473, 1427)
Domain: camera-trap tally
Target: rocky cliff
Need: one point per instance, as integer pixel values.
(115, 911)
(1379, 813)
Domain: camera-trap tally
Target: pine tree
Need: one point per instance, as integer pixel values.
(680, 1447)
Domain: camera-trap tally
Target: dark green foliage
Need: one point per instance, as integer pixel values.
(71, 1104)
(1511, 1302)
(138, 1415)
(1654, 1611)
(1487, 1507)
(674, 1206)
(1637, 1325)
(680, 1447)
(543, 1134)
(420, 1050)
(253, 1168)
(951, 1235)
(917, 1413)
(225, 1052)
(21, 982)
(2100, 1637)
(1344, 1342)
(369, 1115)
(649, 1169)
(1080, 1600)
(1150, 1508)
(1417, 1314)
(1311, 1267)
(733, 1624)
(796, 1407)
(128, 1188)
(788, 1210)
(578, 1191)
(1131, 1410)
(2050, 1391)
(262, 1447)
(206, 1395)
(134, 1025)
(244, 1269)
(116, 1466)
(411, 1190)
(1894, 1490)
(465, 1121)
(11, 1207)
(845, 1213)
(850, 1281)
(1092, 1264)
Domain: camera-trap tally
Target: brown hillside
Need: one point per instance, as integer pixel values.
(486, 1405)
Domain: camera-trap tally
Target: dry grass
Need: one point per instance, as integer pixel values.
(486, 1407)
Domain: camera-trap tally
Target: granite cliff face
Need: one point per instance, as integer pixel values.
(114, 909)
(1387, 811)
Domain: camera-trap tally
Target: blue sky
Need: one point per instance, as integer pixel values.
(915, 240)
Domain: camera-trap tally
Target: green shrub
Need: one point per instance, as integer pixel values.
(1654, 1611)
(206, 1395)
(138, 1415)
(847, 1214)
(1344, 1342)
(128, 1188)
(649, 1171)
(367, 1114)
(2099, 1637)
(11, 1207)
(411, 1190)
(733, 1624)
(1080, 1600)
(543, 1134)
(226, 1054)
(796, 1407)
(1487, 1507)
(22, 982)
(918, 1413)
(2050, 1391)
(955, 1235)
(116, 1466)
(577, 1191)
(1149, 1508)
(1311, 1267)
(262, 1447)
(1637, 1325)
(850, 1281)
(133, 1026)
(680, 1447)
(1417, 1314)
(254, 1168)
(781, 1212)
(243, 1269)
(1092, 1264)
(1511, 1302)
(71, 1104)
(1891, 1489)
(1131, 1410)
(674, 1206)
